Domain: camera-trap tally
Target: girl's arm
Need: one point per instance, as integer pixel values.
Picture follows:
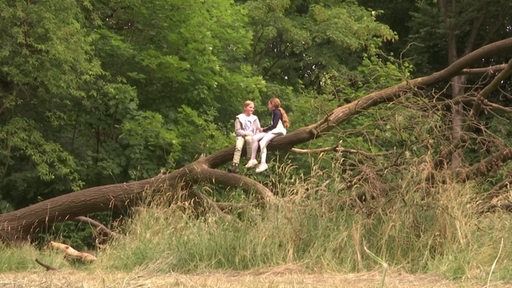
(276, 116)
(239, 129)
(256, 125)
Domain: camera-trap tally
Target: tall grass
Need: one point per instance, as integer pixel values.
(22, 258)
(179, 241)
(320, 224)
(16, 258)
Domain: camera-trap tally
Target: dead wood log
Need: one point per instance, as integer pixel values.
(19, 225)
(70, 252)
(101, 234)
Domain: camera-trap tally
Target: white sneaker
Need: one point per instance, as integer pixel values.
(262, 167)
(251, 163)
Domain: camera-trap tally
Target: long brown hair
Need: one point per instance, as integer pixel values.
(276, 104)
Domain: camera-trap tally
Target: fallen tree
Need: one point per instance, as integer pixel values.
(21, 224)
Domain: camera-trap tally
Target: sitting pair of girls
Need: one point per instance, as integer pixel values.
(248, 130)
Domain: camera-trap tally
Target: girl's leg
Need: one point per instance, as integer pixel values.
(254, 148)
(263, 146)
(248, 146)
(255, 143)
(238, 149)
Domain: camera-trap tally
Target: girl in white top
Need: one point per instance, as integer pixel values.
(246, 125)
(278, 127)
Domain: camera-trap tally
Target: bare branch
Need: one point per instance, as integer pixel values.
(486, 70)
(503, 185)
(201, 173)
(100, 227)
(489, 164)
(336, 149)
(213, 205)
(46, 266)
(487, 103)
(477, 105)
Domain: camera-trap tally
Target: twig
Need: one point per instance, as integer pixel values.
(336, 149)
(497, 189)
(48, 267)
(212, 205)
(96, 224)
(494, 264)
(381, 262)
(487, 103)
(485, 70)
(504, 74)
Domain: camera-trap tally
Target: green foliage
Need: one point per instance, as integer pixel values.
(47, 64)
(359, 28)
(45, 47)
(185, 54)
(19, 259)
(198, 134)
(149, 145)
(397, 15)
(426, 24)
(296, 45)
(117, 88)
(27, 147)
(375, 72)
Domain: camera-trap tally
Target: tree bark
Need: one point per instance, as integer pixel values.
(20, 224)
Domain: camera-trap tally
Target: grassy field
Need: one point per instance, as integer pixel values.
(276, 277)
(407, 235)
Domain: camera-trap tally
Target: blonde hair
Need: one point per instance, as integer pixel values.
(276, 104)
(247, 103)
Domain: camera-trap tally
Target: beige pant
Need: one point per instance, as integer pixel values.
(240, 141)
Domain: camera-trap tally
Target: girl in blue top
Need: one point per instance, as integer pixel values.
(278, 127)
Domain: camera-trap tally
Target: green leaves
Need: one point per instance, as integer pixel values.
(297, 44)
(24, 146)
(184, 52)
(46, 47)
(199, 134)
(149, 145)
(117, 90)
(349, 26)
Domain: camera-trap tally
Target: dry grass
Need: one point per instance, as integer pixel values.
(285, 276)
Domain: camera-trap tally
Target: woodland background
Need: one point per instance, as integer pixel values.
(105, 92)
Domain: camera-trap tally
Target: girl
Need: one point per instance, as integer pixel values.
(246, 125)
(278, 127)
